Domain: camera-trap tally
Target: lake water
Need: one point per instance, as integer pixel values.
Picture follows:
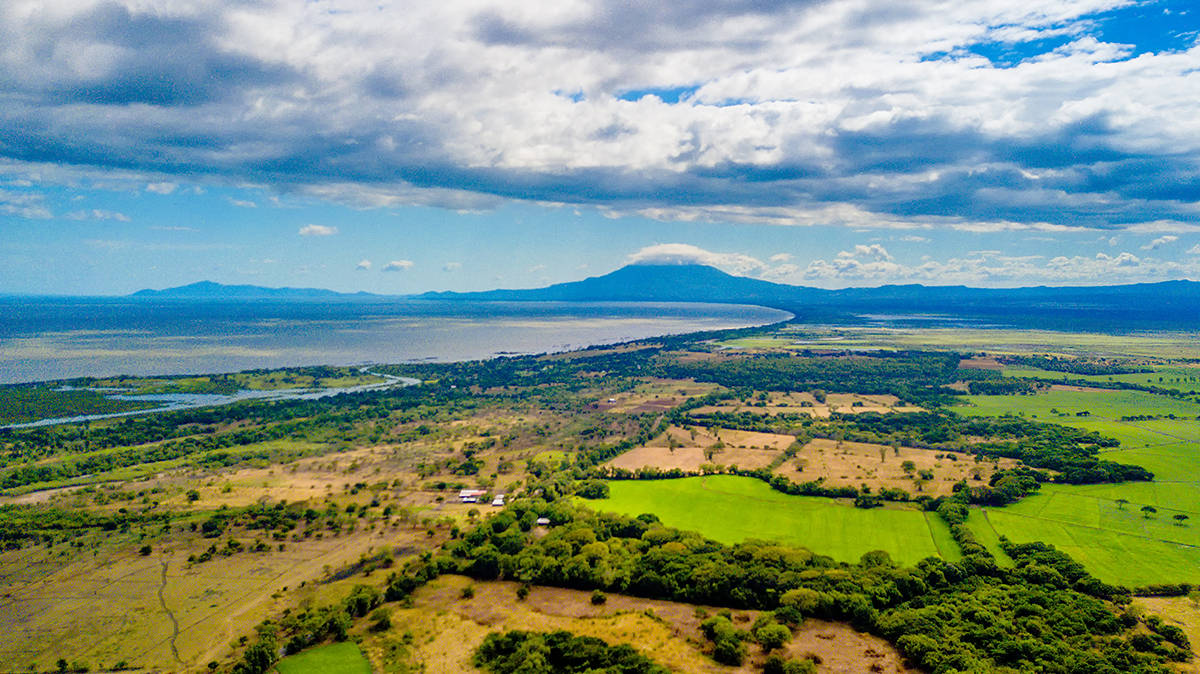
(58, 338)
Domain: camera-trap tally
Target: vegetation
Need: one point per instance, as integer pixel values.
(532, 653)
(1019, 519)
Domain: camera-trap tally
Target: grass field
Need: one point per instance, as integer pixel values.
(343, 658)
(1153, 345)
(1115, 541)
(731, 509)
(1175, 376)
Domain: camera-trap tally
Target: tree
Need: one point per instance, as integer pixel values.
(1180, 519)
(1121, 503)
(1147, 511)
(908, 467)
(772, 636)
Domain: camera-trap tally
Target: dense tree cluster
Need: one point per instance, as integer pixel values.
(519, 652)
(915, 376)
(1091, 366)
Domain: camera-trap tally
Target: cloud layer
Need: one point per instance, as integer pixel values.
(984, 115)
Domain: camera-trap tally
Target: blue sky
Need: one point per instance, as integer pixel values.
(399, 148)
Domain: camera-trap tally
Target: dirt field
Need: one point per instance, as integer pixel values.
(980, 363)
(1183, 613)
(659, 395)
(805, 403)
(855, 463)
(446, 629)
(689, 448)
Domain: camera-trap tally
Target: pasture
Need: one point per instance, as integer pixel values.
(731, 509)
(339, 658)
(1104, 526)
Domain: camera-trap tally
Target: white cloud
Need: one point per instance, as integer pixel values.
(780, 257)
(318, 230)
(452, 266)
(242, 203)
(27, 205)
(857, 113)
(398, 265)
(684, 253)
(913, 238)
(363, 265)
(1194, 250)
(97, 214)
(162, 187)
(1160, 242)
(986, 268)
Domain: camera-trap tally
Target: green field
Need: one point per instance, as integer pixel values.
(731, 509)
(342, 658)
(997, 341)
(1177, 377)
(1115, 541)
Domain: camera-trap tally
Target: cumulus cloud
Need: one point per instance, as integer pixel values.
(982, 115)
(29, 205)
(398, 265)
(1194, 250)
(780, 257)
(318, 230)
(992, 268)
(97, 214)
(1160, 242)
(364, 265)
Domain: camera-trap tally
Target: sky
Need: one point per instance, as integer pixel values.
(399, 147)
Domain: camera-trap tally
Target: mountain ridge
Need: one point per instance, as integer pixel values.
(1127, 306)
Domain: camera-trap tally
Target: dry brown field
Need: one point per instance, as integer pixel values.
(804, 403)
(857, 463)
(1183, 613)
(446, 629)
(160, 612)
(689, 448)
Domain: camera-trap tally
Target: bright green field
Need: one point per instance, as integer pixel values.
(731, 509)
(343, 658)
(1176, 377)
(1116, 542)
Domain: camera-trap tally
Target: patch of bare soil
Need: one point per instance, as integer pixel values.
(879, 466)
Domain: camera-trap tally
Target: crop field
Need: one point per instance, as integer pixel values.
(1104, 526)
(732, 509)
(339, 658)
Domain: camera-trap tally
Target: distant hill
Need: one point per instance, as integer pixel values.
(652, 283)
(1141, 305)
(1165, 305)
(211, 290)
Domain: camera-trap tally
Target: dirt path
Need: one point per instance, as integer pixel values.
(162, 601)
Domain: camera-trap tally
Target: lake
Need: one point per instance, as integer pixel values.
(59, 338)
